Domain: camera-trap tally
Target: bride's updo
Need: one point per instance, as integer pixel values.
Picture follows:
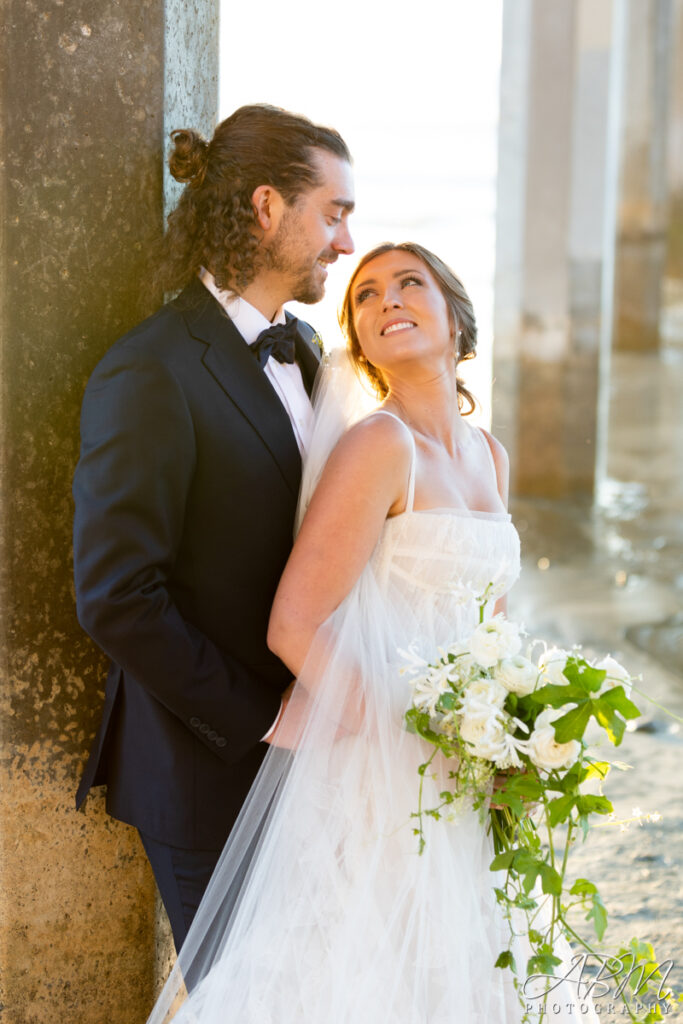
(457, 300)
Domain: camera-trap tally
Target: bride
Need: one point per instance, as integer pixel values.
(321, 910)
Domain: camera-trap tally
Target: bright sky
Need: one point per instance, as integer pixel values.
(413, 89)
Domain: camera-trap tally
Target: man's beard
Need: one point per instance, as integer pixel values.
(285, 255)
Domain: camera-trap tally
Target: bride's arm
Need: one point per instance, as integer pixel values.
(364, 481)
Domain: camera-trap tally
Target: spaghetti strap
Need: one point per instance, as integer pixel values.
(487, 445)
(410, 491)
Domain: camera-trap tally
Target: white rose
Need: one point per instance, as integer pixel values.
(616, 675)
(483, 691)
(494, 640)
(485, 733)
(517, 674)
(543, 748)
(551, 663)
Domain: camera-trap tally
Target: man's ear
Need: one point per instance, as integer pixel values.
(268, 205)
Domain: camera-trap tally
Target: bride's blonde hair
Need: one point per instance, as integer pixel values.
(457, 300)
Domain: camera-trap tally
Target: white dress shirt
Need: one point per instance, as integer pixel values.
(285, 377)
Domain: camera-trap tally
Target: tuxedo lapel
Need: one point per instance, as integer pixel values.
(307, 353)
(229, 360)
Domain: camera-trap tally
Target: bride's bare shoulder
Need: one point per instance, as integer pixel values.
(380, 435)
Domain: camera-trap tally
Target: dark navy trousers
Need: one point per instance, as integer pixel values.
(182, 877)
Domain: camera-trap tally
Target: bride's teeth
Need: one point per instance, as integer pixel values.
(397, 327)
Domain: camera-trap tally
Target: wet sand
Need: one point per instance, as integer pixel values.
(611, 579)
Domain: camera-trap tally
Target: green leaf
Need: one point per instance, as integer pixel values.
(511, 800)
(447, 702)
(593, 805)
(502, 861)
(598, 914)
(582, 887)
(545, 963)
(617, 699)
(597, 769)
(551, 881)
(524, 902)
(524, 784)
(584, 676)
(611, 722)
(560, 809)
(535, 937)
(506, 959)
(556, 696)
(573, 725)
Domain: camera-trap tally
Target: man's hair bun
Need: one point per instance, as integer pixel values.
(189, 158)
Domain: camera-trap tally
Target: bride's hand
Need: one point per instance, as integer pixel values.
(295, 711)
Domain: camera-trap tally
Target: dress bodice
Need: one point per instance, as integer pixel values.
(435, 564)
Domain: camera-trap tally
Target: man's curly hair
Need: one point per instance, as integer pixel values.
(212, 225)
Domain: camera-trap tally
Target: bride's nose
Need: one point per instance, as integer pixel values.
(391, 300)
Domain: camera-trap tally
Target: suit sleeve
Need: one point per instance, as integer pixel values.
(130, 489)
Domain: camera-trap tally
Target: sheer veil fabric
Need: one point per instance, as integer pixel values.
(320, 910)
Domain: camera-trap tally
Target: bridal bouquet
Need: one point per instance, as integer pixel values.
(517, 723)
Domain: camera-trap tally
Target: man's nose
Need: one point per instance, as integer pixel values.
(343, 243)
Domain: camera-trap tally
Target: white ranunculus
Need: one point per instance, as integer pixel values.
(543, 748)
(485, 733)
(551, 663)
(517, 674)
(494, 640)
(616, 675)
(483, 691)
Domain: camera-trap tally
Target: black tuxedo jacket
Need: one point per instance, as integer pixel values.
(185, 496)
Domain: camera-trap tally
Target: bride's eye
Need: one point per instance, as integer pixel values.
(410, 280)
(362, 295)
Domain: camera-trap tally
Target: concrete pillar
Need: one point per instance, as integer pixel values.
(674, 267)
(551, 195)
(82, 202)
(642, 229)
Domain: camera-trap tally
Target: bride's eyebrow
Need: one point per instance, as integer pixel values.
(399, 273)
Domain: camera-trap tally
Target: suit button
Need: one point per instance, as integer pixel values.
(195, 722)
(212, 736)
(221, 741)
(204, 728)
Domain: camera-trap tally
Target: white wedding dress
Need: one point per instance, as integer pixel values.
(339, 919)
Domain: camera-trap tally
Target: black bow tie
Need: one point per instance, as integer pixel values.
(277, 341)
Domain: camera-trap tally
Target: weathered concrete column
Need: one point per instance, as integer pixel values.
(674, 267)
(82, 202)
(642, 229)
(551, 194)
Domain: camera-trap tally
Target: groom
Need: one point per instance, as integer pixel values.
(193, 427)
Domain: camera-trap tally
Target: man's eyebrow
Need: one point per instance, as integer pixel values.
(399, 273)
(345, 204)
